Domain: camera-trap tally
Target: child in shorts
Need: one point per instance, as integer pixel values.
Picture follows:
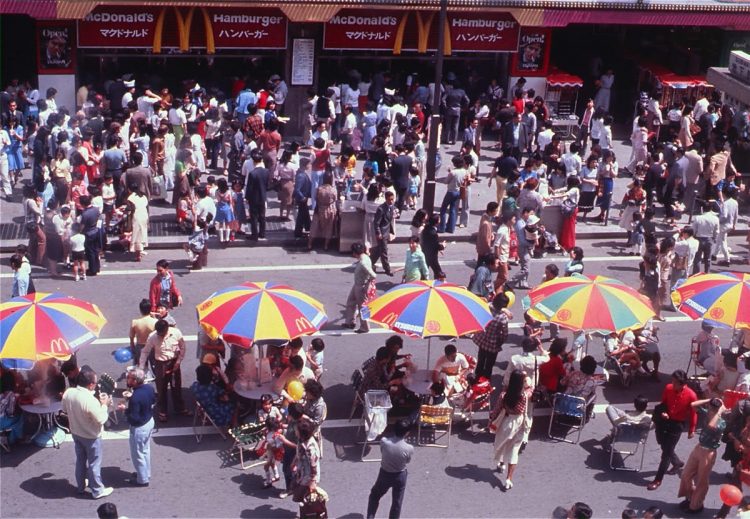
(316, 357)
(78, 252)
(274, 451)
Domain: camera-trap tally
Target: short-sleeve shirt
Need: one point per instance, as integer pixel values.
(506, 167)
(444, 365)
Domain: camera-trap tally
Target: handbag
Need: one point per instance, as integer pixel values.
(313, 505)
(539, 392)
(567, 208)
(32, 227)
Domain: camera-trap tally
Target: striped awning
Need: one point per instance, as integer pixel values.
(39, 9)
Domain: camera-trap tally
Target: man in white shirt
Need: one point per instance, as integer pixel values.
(147, 101)
(693, 173)
(638, 417)
(86, 417)
(706, 228)
(280, 91)
(727, 221)
(685, 248)
(128, 95)
(449, 369)
(204, 207)
(348, 125)
(502, 248)
(700, 108)
(572, 160)
(545, 136)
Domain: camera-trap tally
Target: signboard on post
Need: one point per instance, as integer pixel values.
(56, 47)
(303, 61)
(532, 58)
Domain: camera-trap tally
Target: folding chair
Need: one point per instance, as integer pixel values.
(731, 397)
(5, 439)
(202, 418)
(356, 379)
(248, 437)
(375, 409)
(627, 439)
(434, 417)
(568, 411)
(480, 403)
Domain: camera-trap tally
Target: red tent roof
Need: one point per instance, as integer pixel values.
(668, 78)
(559, 78)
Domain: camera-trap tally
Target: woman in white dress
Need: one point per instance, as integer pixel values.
(197, 147)
(602, 98)
(138, 203)
(370, 204)
(511, 419)
(639, 140)
(170, 153)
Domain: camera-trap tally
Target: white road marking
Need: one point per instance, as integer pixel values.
(40, 273)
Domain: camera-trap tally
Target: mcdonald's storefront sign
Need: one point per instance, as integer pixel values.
(211, 28)
(386, 30)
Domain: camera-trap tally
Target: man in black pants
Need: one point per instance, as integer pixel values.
(255, 193)
(669, 417)
(93, 243)
(396, 454)
(383, 226)
(490, 341)
(302, 193)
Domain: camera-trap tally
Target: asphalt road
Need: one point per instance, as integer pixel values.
(200, 479)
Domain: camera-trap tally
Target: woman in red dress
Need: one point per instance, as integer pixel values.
(567, 238)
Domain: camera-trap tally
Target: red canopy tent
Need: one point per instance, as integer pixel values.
(560, 79)
(562, 93)
(673, 86)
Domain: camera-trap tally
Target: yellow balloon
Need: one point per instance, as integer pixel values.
(295, 389)
(511, 298)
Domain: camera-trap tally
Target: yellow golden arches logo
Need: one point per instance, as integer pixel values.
(389, 319)
(183, 30)
(302, 324)
(58, 346)
(423, 33)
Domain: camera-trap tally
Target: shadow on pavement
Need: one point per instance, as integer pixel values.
(474, 473)
(252, 485)
(266, 511)
(45, 486)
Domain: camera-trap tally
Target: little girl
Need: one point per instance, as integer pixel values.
(77, 252)
(274, 451)
(412, 196)
(636, 235)
(240, 215)
(268, 410)
(316, 357)
(532, 329)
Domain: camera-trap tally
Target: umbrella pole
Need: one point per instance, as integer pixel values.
(259, 361)
(429, 347)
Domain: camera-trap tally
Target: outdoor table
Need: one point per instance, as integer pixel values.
(255, 392)
(419, 382)
(46, 414)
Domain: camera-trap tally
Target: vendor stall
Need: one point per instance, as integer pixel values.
(562, 100)
(673, 87)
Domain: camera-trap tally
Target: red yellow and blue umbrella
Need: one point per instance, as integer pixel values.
(592, 303)
(722, 298)
(260, 311)
(429, 309)
(42, 325)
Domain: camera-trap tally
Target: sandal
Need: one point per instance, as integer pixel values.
(162, 417)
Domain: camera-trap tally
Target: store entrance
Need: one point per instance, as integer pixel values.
(473, 72)
(174, 71)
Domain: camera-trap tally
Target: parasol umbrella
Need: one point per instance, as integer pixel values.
(427, 309)
(582, 302)
(43, 325)
(261, 311)
(722, 298)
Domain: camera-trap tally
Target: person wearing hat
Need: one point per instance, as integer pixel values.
(127, 97)
(706, 227)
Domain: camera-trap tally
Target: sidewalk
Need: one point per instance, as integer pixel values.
(164, 234)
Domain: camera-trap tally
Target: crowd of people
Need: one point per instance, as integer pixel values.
(96, 172)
